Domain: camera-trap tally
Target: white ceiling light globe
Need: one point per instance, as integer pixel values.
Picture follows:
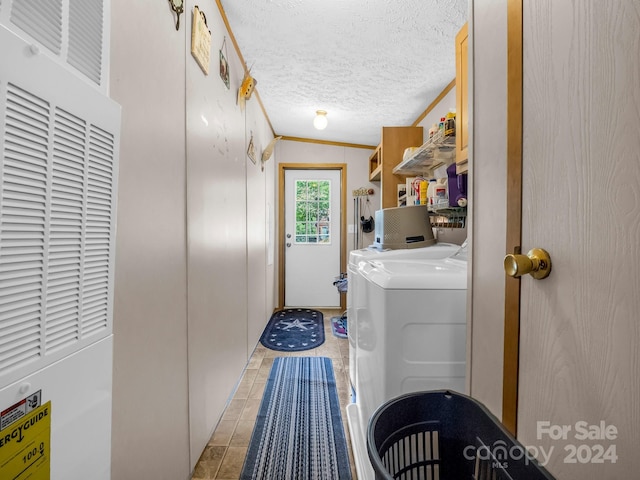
(320, 122)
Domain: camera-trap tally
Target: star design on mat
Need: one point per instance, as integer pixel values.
(302, 325)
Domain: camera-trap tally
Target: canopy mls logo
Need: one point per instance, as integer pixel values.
(500, 454)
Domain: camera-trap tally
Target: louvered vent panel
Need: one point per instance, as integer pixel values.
(65, 232)
(85, 37)
(42, 19)
(98, 230)
(22, 227)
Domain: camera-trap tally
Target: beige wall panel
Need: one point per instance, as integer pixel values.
(271, 231)
(488, 164)
(150, 436)
(222, 249)
(259, 309)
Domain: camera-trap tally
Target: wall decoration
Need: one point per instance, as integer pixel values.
(266, 154)
(251, 150)
(178, 7)
(201, 40)
(224, 66)
(246, 88)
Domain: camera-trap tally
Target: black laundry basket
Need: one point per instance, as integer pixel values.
(442, 435)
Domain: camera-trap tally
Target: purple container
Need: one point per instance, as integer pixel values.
(457, 187)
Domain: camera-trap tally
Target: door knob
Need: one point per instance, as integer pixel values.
(288, 244)
(536, 262)
(288, 235)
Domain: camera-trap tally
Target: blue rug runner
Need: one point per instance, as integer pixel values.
(298, 433)
(294, 330)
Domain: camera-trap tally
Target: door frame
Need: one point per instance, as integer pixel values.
(511, 359)
(282, 168)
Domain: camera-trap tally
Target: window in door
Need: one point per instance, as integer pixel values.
(312, 211)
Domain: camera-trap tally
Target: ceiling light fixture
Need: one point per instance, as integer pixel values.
(320, 122)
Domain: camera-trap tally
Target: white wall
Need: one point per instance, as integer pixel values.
(192, 285)
(447, 103)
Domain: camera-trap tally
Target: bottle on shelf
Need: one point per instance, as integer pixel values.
(441, 196)
(423, 192)
(457, 187)
(450, 124)
(431, 191)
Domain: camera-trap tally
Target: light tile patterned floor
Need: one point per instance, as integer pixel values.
(224, 456)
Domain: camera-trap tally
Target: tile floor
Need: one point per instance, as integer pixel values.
(223, 457)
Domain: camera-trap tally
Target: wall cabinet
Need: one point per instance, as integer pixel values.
(462, 102)
(394, 141)
(375, 165)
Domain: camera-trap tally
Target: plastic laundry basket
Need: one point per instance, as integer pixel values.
(341, 283)
(442, 435)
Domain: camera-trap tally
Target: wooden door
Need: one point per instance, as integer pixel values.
(579, 328)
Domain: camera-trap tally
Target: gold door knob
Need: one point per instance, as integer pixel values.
(537, 263)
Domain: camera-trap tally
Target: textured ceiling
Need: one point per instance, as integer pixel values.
(368, 63)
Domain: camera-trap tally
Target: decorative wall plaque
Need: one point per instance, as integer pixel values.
(201, 40)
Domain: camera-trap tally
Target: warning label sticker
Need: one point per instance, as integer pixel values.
(20, 409)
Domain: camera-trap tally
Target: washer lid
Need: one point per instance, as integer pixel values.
(400, 274)
(437, 251)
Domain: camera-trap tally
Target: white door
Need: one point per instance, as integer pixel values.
(580, 333)
(312, 237)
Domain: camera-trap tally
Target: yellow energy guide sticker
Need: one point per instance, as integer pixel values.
(25, 446)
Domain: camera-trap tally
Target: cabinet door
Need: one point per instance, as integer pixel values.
(462, 92)
(394, 142)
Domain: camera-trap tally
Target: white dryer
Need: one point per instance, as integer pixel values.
(411, 336)
(356, 299)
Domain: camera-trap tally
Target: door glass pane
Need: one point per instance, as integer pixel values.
(312, 211)
(301, 212)
(323, 191)
(312, 188)
(323, 209)
(301, 190)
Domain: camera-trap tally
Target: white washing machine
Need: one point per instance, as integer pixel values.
(411, 336)
(356, 299)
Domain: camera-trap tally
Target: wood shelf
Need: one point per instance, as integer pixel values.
(375, 165)
(374, 176)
